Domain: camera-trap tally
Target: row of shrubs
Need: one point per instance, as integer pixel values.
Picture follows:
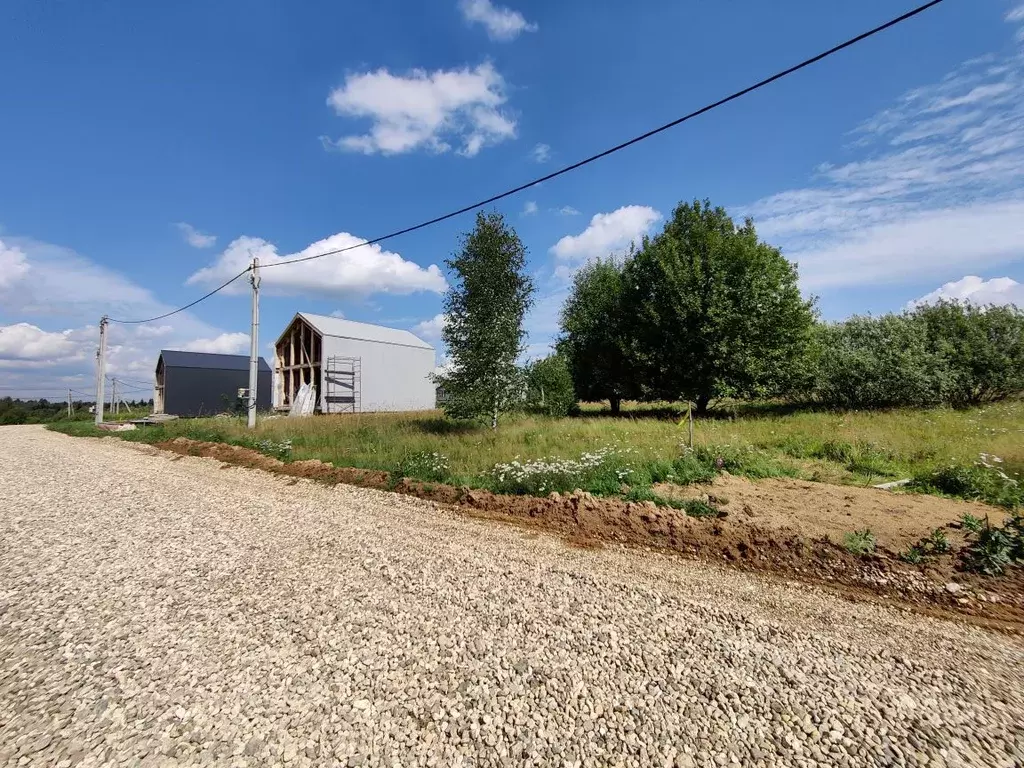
(941, 354)
(946, 353)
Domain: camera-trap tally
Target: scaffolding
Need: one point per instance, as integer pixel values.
(342, 391)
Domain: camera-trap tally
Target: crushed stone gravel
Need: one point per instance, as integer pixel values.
(158, 611)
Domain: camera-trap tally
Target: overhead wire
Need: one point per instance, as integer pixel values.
(568, 168)
(191, 304)
(618, 147)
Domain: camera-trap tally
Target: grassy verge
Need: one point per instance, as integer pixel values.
(945, 451)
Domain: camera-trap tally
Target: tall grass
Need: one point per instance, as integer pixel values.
(846, 447)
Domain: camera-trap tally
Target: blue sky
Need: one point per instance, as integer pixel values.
(147, 149)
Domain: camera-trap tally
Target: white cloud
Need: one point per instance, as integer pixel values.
(424, 110)
(13, 265)
(607, 234)
(541, 153)
(194, 237)
(364, 270)
(924, 243)
(1015, 15)
(530, 208)
(338, 313)
(431, 329)
(154, 331)
(567, 210)
(23, 341)
(55, 338)
(938, 188)
(224, 344)
(502, 24)
(972, 289)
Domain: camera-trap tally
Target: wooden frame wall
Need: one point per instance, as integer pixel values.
(297, 359)
(158, 390)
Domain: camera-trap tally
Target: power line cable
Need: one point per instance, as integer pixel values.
(204, 297)
(561, 171)
(625, 144)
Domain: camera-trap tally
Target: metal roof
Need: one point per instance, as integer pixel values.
(349, 329)
(174, 358)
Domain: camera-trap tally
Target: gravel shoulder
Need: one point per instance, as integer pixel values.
(159, 610)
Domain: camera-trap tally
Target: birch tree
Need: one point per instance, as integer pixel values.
(485, 305)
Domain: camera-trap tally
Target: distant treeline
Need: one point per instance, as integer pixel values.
(43, 411)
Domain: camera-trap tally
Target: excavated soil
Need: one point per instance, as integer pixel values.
(754, 534)
(818, 510)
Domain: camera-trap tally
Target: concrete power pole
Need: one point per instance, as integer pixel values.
(70, 410)
(101, 366)
(254, 342)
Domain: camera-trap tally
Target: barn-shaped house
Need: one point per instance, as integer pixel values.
(354, 367)
(192, 384)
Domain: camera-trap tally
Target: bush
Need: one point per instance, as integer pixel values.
(943, 353)
(549, 387)
(981, 350)
(876, 362)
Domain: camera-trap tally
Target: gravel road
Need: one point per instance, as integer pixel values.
(159, 611)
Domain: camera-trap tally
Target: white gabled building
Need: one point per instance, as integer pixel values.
(355, 367)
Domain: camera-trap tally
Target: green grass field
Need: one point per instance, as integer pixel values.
(647, 444)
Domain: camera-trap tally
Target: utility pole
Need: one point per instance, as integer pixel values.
(69, 404)
(113, 395)
(101, 372)
(254, 342)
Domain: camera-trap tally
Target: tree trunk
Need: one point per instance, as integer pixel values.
(702, 404)
(616, 404)
(494, 416)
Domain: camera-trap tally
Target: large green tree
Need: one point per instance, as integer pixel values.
(592, 335)
(713, 312)
(485, 305)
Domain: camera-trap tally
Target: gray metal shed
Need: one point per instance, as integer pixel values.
(192, 384)
(355, 367)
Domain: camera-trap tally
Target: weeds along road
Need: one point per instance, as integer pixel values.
(170, 612)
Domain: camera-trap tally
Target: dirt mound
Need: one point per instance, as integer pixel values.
(819, 510)
(756, 539)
